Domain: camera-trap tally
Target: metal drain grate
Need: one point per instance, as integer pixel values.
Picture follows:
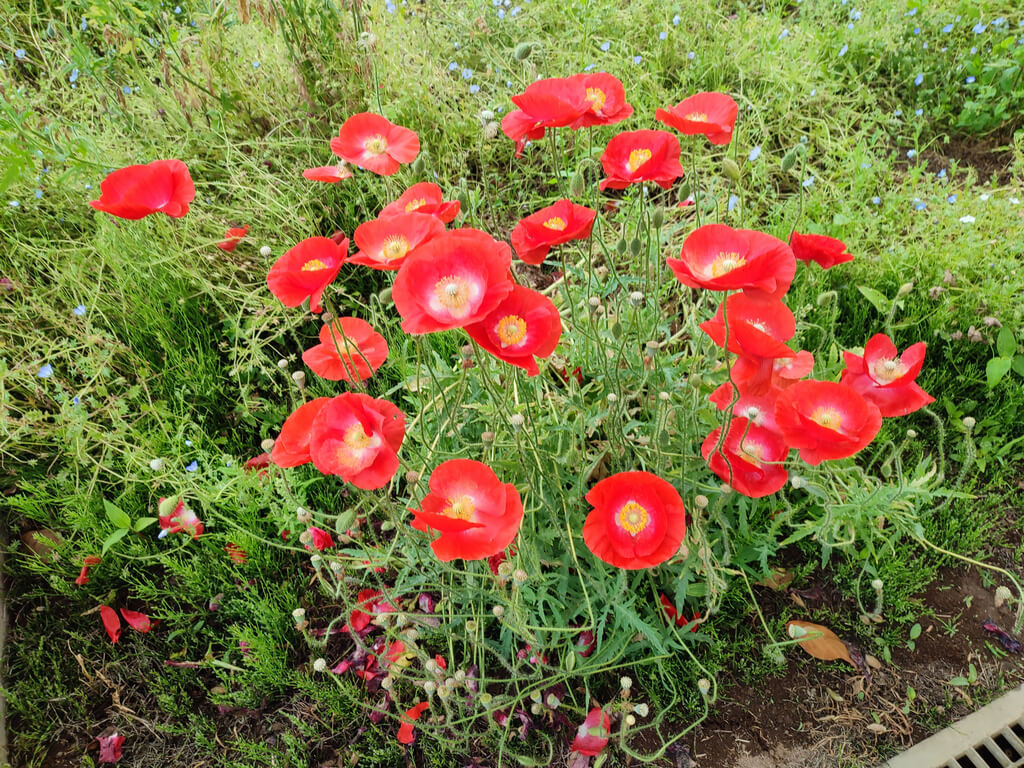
(992, 737)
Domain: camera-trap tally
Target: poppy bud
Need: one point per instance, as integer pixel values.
(463, 198)
(696, 380)
(635, 247)
(905, 289)
(316, 561)
(516, 419)
(485, 698)
(265, 251)
(303, 515)
(658, 218)
(577, 185)
(471, 625)
(417, 164)
(911, 433)
(730, 169)
(788, 161)
(384, 297)
(797, 482)
(467, 351)
(487, 437)
(636, 298)
(268, 444)
(684, 192)
(621, 246)
(825, 297)
(387, 525)
(700, 500)
(594, 301)
(519, 577)
(522, 51)
(504, 570)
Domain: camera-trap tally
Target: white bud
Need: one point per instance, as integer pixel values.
(630, 721)
(156, 464)
(536, 708)
(282, 363)
(504, 570)
(471, 625)
(429, 687)
(519, 577)
(1003, 594)
(303, 515)
(320, 665)
(498, 611)
(969, 422)
(796, 481)
(911, 433)
(316, 561)
(636, 298)
(626, 682)
(386, 682)
(876, 584)
(516, 419)
(265, 251)
(612, 398)
(704, 685)
(664, 396)
(641, 709)
(486, 115)
(299, 614)
(594, 301)
(268, 444)
(299, 377)
(460, 675)
(491, 130)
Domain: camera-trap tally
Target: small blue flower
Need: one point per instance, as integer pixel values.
(911, 12)
(918, 111)
(127, 90)
(501, 13)
(88, 186)
(850, 25)
(917, 30)
(84, 25)
(855, 15)
(75, 400)
(974, 51)
(676, 20)
(663, 35)
(515, 11)
(474, 88)
(177, 9)
(637, 59)
(255, 65)
(74, 75)
(188, 443)
(925, 45)
(452, 66)
(970, 79)
(876, 200)
(605, 45)
(897, 113)
(843, 50)
(948, 28)
(39, 194)
(807, 182)
(942, 173)
(919, 79)
(589, 67)
(193, 466)
(691, 55)
(45, 372)
(467, 74)
(733, 202)
(754, 154)
(19, 53)
(919, 206)
(911, 154)
(865, 165)
(79, 310)
(814, 92)
(784, 33)
(951, 199)
(1000, 22)
(978, 28)
(13, 203)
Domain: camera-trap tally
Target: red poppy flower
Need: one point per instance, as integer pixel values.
(749, 458)
(476, 514)
(638, 520)
(606, 100)
(330, 174)
(757, 326)
(180, 519)
(826, 420)
(384, 243)
(87, 563)
(592, 735)
(534, 235)
(232, 238)
(236, 553)
(520, 127)
(759, 409)
(375, 143)
(140, 622)
(111, 622)
(357, 437)
(305, 270)
(886, 378)
(674, 615)
(139, 190)
(424, 197)
(826, 252)
(349, 350)
(291, 448)
(554, 101)
(710, 113)
(259, 461)
(635, 156)
(320, 539)
(524, 326)
(720, 258)
(451, 281)
(405, 730)
(786, 370)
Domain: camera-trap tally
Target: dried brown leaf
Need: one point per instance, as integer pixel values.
(778, 579)
(821, 642)
(42, 543)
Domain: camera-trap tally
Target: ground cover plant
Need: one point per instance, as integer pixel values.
(561, 446)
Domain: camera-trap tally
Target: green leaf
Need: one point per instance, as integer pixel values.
(116, 515)
(877, 299)
(113, 538)
(915, 632)
(1018, 365)
(143, 523)
(1006, 345)
(997, 368)
(960, 682)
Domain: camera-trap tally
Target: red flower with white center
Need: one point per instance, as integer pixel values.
(138, 621)
(180, 519)
(291, 448)
(535, 235)
(606, 100)
(720, 258)
(476, 514)
(635, 156)
(357, 438)
(87, 563)
(638, 520)
(349, 350)
(886, 378)
(375, 143)
(305, 270)
(139, 190)
(757, 325)
(319, 538)
(329, 174)
(759, 409)
(424, 197)
(825, 420)
(786, 370)
(237, 555)
(384, 243)
(406, 735)
(524, 326)
(673, 615)
(554, 101)
(710, 113)
(824, 251)
(232, 238)
(592, 735)
(521, 127)
(453, 280)
(111, 622)
(749, 459)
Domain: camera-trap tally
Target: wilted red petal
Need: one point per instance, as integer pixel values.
(110, 622)
(110, 742)
(405, 731)
(140, 622)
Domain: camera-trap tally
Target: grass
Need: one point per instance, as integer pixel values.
(176, 356)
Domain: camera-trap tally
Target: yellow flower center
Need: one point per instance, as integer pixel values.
(597, 98)
(511, 330)
(697, 117)
(889, 370)
(395, 247)
(752, 452)
(415, 205)
(452, 292)
(556, 222)
(827, 417)
(725, 263)
(459, 507)
(354, 444)
(313, 265)
(376, 145)
(637, 158)
(633, 518)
